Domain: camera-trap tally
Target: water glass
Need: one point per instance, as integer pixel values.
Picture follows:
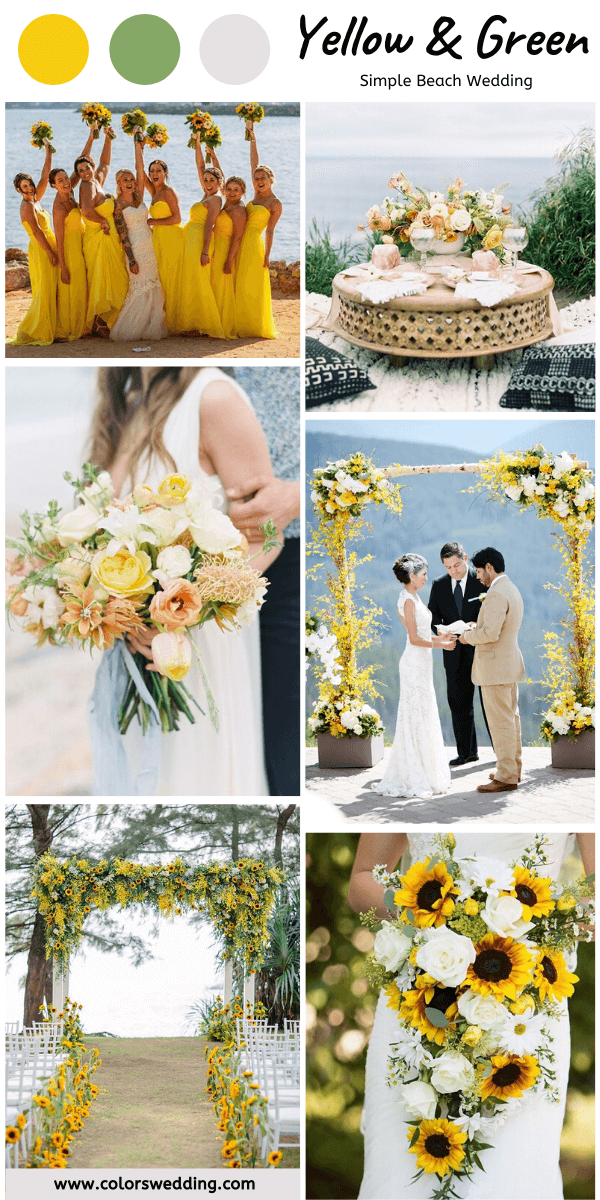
(514, 239)
(421, 240)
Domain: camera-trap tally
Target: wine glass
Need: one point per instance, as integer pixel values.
(421, 240)
(514, 239)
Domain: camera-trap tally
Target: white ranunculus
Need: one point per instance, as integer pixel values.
(78, 525)
(172, 563)
(162, 525)
(485, 1011)
(460, 220)
(563, 465)
(445, 955)
(419, 1100)
(514, 491)
(452, 1072)
(391, 947)
(504, 915)
(489, 874)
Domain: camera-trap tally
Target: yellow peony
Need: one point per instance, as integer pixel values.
(123, 574)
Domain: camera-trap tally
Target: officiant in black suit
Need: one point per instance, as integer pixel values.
(452, 598)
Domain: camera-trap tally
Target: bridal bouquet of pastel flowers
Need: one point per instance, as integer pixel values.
(474, 964)
(163, 560)
(476, 216)
(41, 132)
(97, 115)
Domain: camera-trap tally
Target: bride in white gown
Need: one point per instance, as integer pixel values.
(418, 763)
(143, 313)
(200, 423)
(523, 1163)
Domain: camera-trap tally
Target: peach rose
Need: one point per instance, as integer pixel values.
(179, 603)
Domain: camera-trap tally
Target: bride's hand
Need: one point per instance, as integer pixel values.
(447, 641)
(141, 643)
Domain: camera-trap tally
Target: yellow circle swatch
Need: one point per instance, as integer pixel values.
(53, 49)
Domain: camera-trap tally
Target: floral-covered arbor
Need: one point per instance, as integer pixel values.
(237, 897)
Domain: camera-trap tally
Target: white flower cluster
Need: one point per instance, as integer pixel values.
(350, 716)
(561, 721)
(529, 485)
(324, 644)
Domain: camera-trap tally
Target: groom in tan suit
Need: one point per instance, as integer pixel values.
(498, 666)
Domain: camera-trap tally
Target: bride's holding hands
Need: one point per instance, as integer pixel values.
(38, 326)
(254, 311)
(104, 256)
(198, 308)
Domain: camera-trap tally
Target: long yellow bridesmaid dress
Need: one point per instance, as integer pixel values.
(223, 285)
(254, 312)
(107, 279)
(168, 247)
(198, 308)
(72, 297)
(38, 327)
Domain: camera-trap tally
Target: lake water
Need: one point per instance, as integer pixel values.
(340, 190)
(278, 141)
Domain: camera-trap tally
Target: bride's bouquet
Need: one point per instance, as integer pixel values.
(162, 560)
(474, 964)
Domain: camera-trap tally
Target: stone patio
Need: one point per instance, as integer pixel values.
(545, 796)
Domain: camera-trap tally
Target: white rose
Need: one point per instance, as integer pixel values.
(446, 955)
(504, 915)
(439, 210)
(514, 491)
(212, 530)
(561, 508)
(460, 220)
(78, 525)
(452, 1072)
(563, 465)
(485, 1011)
(586, 492)
(529, 484)
(173, 563)
(165, 524)
(391, 947)
(419, 1100)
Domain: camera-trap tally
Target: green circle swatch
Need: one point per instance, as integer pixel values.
(144, 49)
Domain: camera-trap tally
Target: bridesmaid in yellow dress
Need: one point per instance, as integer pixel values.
(104, 255)
(199, 312)
(168, 238)
(71, 307)
(254, 312)
(229, 230)
(38, 327)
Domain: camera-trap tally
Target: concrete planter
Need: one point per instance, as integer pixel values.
(354, 752)
(575, 755)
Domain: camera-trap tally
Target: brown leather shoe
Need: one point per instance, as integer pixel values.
(497, 787)
(493, 776)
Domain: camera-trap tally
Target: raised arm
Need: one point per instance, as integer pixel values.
(239, 216)
(140, 174)
(87, 149)
(29, 214)
(43, 183)
(373, 849)
(200, 163)
(232, 445)
(104, 164)
(212, 155)
(173, 202)
(253, 153)
(276, 212)
(58, 216)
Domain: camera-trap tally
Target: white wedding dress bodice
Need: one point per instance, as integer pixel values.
(143, 313)
(196, 760)
(418, 763)
(523, 1162)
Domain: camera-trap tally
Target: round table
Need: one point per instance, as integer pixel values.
(438, 325)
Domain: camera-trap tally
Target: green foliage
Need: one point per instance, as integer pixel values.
(561, 223)
(216, 1021)
(278, 981)
(324, 259)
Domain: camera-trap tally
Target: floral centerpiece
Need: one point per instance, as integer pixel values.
(130, 121)
(475, 219)
(161, 560)
(156, 136)
(41, 132)
(474, 964)
(97, 115)
(252, 114)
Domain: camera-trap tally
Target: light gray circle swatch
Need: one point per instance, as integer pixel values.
(234, 49)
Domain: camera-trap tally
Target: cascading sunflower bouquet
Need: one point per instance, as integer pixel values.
(39, 131)
(473, 962)
(477, 215)
(162, 560)
(156, 136)
(252, 114)
(98, 115)
(130, 120)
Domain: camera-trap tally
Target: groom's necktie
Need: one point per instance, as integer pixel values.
(458, 598)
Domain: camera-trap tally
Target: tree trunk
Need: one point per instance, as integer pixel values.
(38, 986)
(282, 821)
(235, 833)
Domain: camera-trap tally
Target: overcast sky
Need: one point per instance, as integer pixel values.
(431, 129)
(479, 436)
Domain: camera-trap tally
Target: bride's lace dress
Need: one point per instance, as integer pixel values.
(418, 764)
(523, 1161)
(196, 760)
(143, 313)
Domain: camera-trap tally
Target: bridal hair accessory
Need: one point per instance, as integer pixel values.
(473, 962)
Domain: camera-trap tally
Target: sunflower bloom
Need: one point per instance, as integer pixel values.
(430, 895)
(551, 977)
(413, 1006)
(512, 1074)
(439, 1147)
(534, 893)
(12, 1134)
(501, 967)
(274, 1158)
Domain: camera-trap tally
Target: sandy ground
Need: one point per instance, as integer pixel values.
(286, 311)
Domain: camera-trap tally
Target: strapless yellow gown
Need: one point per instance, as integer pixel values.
(198, 308)
(72, 297)
(254, 312)
(168, 247)
(38, 327)
(223, 286)
(107, 279)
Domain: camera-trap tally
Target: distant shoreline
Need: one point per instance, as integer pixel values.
(221, 109)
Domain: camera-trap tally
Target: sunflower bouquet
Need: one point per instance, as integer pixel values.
(199, 122)
(130, 120)
(473, 962)
(160, 560)
(98, 115)
(251, 114)
(475, 219)
(39, 131)
(156, 136)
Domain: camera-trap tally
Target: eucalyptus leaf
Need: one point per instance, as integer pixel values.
(437, 1018)
(410, 916)
(388, 898)
(487, 1070)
